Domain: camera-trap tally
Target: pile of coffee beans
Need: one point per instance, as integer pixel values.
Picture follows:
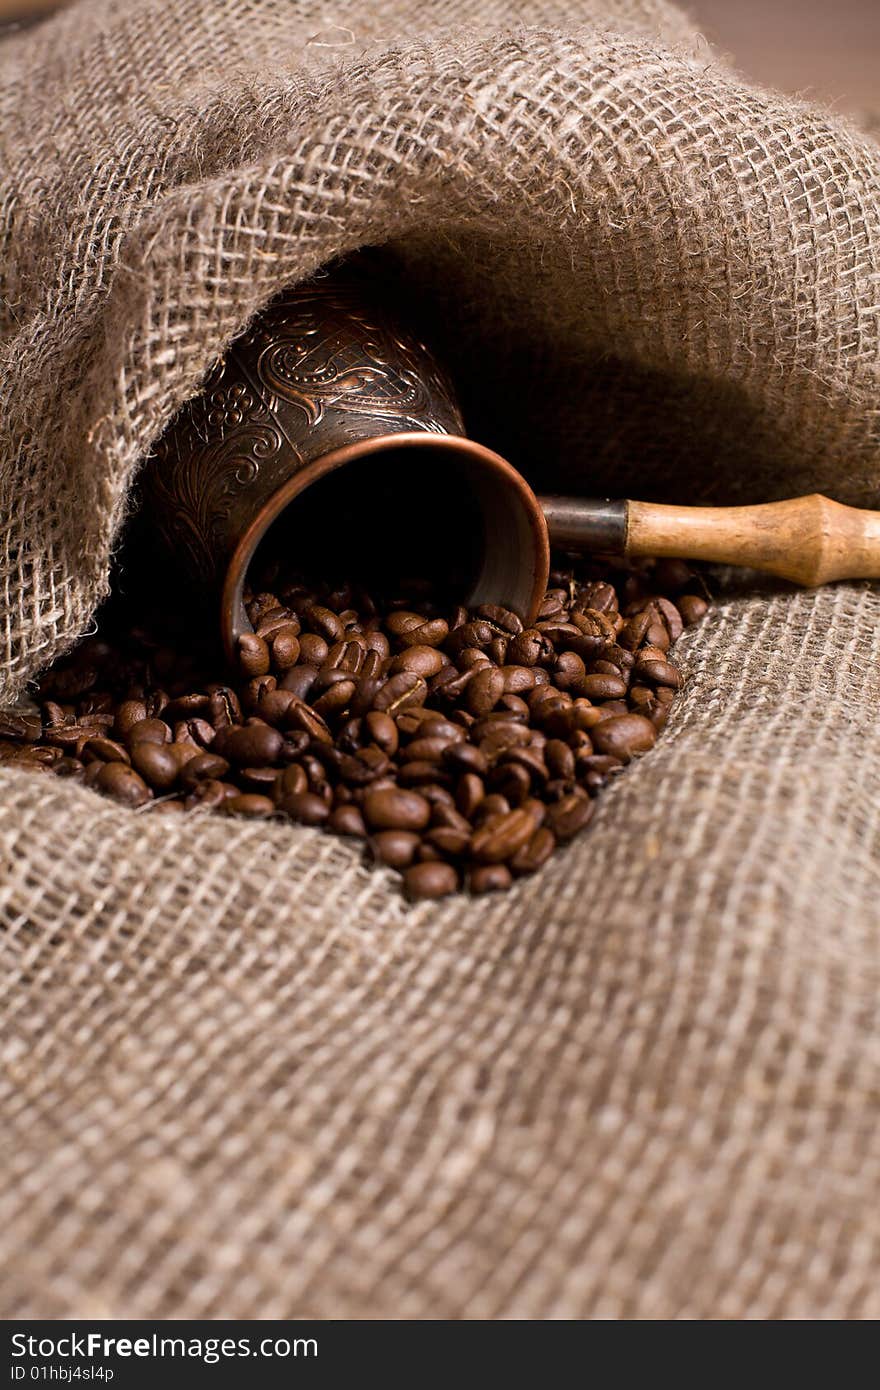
(461, 746)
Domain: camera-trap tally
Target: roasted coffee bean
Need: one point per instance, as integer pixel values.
(430, 880)
(300, 717)
(377, 642)
(313, 650)
(451, 841)
(274, 706)
(225, 699)
(671, 616)
(570, 815)
(423, 632)
(187, 707)
(299, 681)
(396, 848)
(600, 596)
(552, 603)
(181, 736)
(201, 732)
(534, 853)
(41, 756)
(660, 672)
(128, 715)
(603, 687)
(449, 685)
(472, 634)
(470, 791)
(559, 758)
(463, 738)
(372, 668)
(429, 750)
(250, 744)
(692, 608)
(66, 767)
(323, 621)
(347, 655)
(528, 648)
(422, 774)
(445, 814)
(624, 736)
(347, 820)
(606, 668)
(71, 737)
(256, 779)
(465, 758)
(424, 661)
(492, 804)
(335, 699)
(658, 634)
(435, 726)
(383, 731)
(569, 673)
(499, 838)
(399, 692)
(511, 781)
(286, 648)
(427, 634)
(209, 796)
(305, 807)
(518, 679)
(503, 619)
(484, 691)
(386, 808)
(258, 606)
(561, 635)
(256, 690)
(149, 731)
(275, 619)
(597, 630)
(634, 632)
(253, 655)
(530, 759)
(489, 878)
(640, 695)
(471, 658)
(123, 783)
(409, 722)
(499, 734)
(204, 766)
(249, 804)
(402, 621)
(327, 677)
(604, 763)
(157, 763)
(107, 749)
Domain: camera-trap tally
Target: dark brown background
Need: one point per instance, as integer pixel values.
(825, 49)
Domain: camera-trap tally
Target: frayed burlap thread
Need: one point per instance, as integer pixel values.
(241, 1076)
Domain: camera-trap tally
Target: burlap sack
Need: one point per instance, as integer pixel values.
(242, 1078)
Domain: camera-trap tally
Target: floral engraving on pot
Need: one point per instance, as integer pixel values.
(322, 366)
(202, 467)
(326, 352)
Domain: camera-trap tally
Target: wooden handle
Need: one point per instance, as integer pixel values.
(811, 540)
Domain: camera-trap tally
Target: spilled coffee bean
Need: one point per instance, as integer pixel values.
(461, 747)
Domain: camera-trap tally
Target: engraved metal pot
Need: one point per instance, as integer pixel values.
(329, 378)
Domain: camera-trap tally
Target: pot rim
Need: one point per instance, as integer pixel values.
(233, 620)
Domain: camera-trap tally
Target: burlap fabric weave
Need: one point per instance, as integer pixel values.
(241, 1076)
